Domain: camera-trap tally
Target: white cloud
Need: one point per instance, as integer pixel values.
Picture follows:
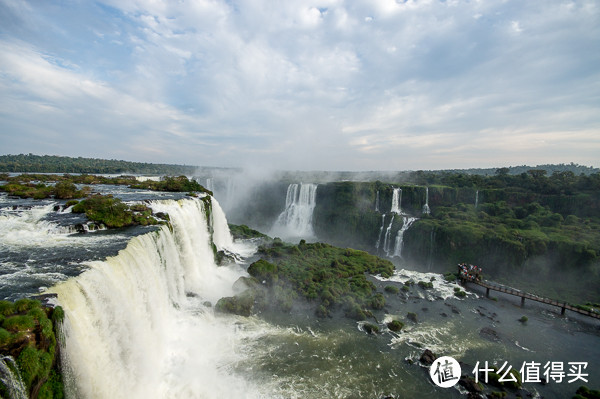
(366, 84)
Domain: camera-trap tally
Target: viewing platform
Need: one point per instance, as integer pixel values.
(472, 274)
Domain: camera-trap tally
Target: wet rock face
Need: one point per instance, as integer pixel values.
(490, 334)
(427, 358)
(469, 384)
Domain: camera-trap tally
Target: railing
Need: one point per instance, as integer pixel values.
(525, 295)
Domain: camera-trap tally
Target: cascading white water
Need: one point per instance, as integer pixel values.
(386, 240)
(407, 222)
(476, 198)
(397, 201)
(426, 209)
(30, 228)
(11, 379)
(136, 326)
(380, 231)
(377, 202)
(210, 184)
(296, 220)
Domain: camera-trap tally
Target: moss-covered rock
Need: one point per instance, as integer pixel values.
(242, 304)
(395, 325)
(28, 334)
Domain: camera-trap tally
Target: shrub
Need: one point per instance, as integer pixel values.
(371, 328)
(6, 308)
(105, 209)
(395, 325)
(5, 337)
(29, 365)
(391, 289)
(19, 323)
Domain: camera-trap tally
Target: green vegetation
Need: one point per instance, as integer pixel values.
(34, 185)
(392, 289)
(57, 164)
(412, 317)
(112, 212)
(584, 392)
(172, 184)
(28, 334)
(459, 293)
(513, 374)
(371, 329)
(61, 190)
(523, 319)
(395, 325)
(329, 279)
(245, 232)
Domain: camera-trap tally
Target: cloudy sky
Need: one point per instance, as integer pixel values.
(315, 84)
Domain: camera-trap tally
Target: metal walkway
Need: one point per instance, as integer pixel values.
(525, 295)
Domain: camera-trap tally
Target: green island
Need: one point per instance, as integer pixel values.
(28, 333)
(320, 276)
(64, 186)
(102, 209)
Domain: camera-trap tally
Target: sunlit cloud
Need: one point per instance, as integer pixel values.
(326, 85)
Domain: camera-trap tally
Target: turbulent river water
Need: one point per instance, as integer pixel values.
(140, 321)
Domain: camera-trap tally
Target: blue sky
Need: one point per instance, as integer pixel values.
(331, 85)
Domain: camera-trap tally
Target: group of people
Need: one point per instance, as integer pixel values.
(469, 272)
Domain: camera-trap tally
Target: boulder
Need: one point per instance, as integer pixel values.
(427, 358)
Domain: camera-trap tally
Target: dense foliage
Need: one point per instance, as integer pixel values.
(33, 185)
(112, 212)
(245, 232)
(172, 184)
(58, 164)
(536, 232)
(61, 190)
(28, 334)
(326, 278)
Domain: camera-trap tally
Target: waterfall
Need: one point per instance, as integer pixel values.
(210, 184)
(296, 219)
(476, 198)
(380, 231)
(377, 202)
(426, 209)
(407, 222)
(397, 201)
(431, 240)
(135, 324)
(10, 379)
(386, 240)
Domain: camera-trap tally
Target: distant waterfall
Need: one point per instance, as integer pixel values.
(210, 184)
(296, 219)
(377, 202)
(476, 198)
(407, 222)
(397, 201)
(135, 324)
(386, 240)
(426, 209)
(380, 231)
(10, 379)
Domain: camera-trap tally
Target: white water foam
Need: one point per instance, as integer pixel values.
(398, 245)
(135, 325)
(441, 288)
(296, 219)
(24, 228)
